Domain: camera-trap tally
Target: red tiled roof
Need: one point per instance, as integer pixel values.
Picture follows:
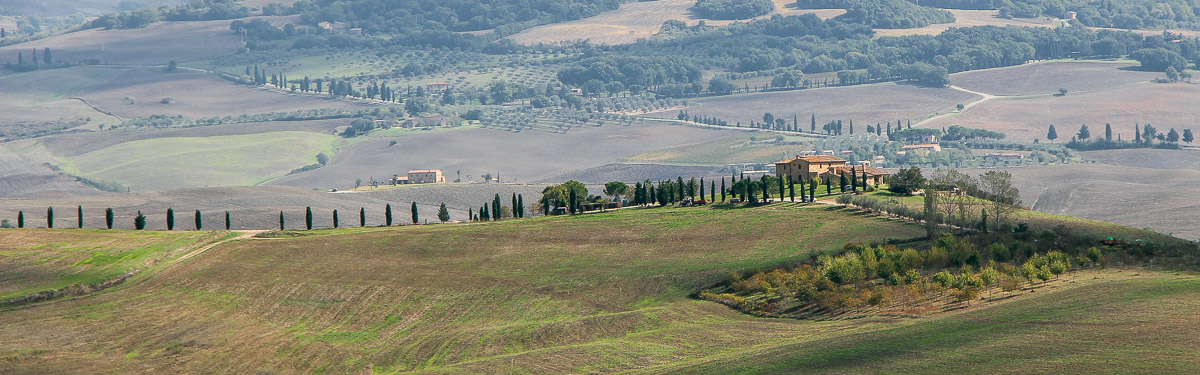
(815, 159)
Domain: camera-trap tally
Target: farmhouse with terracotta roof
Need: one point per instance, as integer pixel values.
(807, 167)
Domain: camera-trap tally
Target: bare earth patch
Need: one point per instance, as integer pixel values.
(636, 20)
(865, 104)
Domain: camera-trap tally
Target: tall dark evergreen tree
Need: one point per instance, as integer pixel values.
(108, 218)
(362, 217)
(497, 213)
(387, 214)
(723, 189)
(21, 220)
(1107, 132)
(170, 219)
(571, 202)
(308, 219)
(139, 221)
(281, 224)
(842, 182)
(415, 217)
(335, 219)
(521, 205)
(49, 216)
(199, 221)
(514, 206)
(854, 179)
(813, 126)
(443, 213)
(1052, 134)
(80, 212)
(812, 189)
(791, 188)
(227, 224)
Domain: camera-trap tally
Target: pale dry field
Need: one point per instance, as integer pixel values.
(156, 44)
(967, 18)
(865, 104)
(1164, 106)
(636, 20)
(1047, 77)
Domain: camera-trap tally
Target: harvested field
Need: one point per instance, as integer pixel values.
(75, 144)
(968, 18)
(633, 173)
(156, 44)
(593, 292)
(65, 8)
(1046, 78)
(1147, 158)
(1023, 119)
(138, 93)
(24, 174)
(41, 260)
(636, 20)
(865, 104)
(516, 157)
(1137, 197)
(1055, 332)
(722, 152)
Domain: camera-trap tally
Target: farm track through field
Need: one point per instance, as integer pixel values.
(98, 109)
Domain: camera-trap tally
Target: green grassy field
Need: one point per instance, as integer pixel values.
(604, 292)
(235, 160)
(39, 260)
(1124, 324)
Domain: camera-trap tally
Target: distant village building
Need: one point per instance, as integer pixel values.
(433, 87)
(432, 121)
(426, 176)
(1070, 15)
(333, 27)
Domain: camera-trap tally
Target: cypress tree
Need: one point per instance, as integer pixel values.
(712, 190)
(443, 213)
(80, 217)
(414, 213)
(702, 188)
(812, 189)
(199, 221)
(139, 222)
(496, 211)
(514, 206)
(854, 179)
(108, 218)
(362, 217)
(779, 181)
(864, 177)
(281, 226)
(226, 220)
(545, 206)
(170, 219)
(842, 182)
(387, 214)
(722, 189)
(813, 126)
(828, 187)
(335, 219)
(652, 198)
(791, 188)
(483, 213)
(308, 219)
(49, 214)
(571, 203)
(21, 220)
(521, 205)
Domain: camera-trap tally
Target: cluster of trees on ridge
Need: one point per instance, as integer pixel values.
(1144, 136)
(733, 9)
(883, 14)
(194, 10)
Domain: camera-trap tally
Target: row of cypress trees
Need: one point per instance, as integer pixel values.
(493, 210)
(139, 221)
